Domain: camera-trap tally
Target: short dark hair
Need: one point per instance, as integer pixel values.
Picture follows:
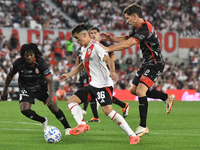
(133, 9)
(31, 47)
(95, 28)
(79, 28)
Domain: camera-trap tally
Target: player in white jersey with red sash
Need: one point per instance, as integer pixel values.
(100, 85)
(97, 70)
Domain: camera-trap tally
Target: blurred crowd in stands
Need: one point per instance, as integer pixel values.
(60, 59)
(174, 15)
(170, 15)
(30, 14)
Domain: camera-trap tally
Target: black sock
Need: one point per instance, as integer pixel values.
(61, 117)
(93, 105)
(32, 115)
(156, 94)
(118, 102)
(143, 107)
(85, 105)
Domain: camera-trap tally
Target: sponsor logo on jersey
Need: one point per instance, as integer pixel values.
(139, 36)
(29, 71)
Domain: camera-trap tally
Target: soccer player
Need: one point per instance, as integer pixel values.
(35, 81)
(143, 33)
(100, 85)
(95, 35)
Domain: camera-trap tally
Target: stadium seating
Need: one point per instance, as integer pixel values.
(101, 14)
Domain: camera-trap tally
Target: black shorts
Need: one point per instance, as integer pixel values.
(148, 74)
(28, 96)
(83, 81)
(88, 93)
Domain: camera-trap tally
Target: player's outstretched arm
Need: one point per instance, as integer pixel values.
(109, 37)
(4, 93)
(122, 45)
(106, 36)
(66, 76)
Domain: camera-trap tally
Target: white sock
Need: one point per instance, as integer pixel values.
(76, 113)
(121, 122)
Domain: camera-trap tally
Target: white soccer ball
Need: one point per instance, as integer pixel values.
(52, 135)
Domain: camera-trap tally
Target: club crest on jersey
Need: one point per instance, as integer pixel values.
(37, 71)
(89, 50)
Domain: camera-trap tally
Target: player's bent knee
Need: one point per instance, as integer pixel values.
(140, 93)
(107, 109)
(54, 108)
(27, 112)
(54, 105)
(133, 91)
(106, 113)
(73, 99)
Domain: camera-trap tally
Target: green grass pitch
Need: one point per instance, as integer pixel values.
(179, 130)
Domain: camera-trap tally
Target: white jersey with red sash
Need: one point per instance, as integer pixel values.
(96, 68)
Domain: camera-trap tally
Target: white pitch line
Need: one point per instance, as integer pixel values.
(181, 134)
(178, 134)
(21, 122)
(20, 129)
(185, 134)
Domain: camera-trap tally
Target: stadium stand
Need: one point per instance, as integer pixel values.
(181, 16)
(30, 14)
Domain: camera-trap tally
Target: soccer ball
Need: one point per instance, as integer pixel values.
(52, 135)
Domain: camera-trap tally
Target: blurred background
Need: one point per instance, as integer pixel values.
(48, 23)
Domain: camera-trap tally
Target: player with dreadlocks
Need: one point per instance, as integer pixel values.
(35, 81)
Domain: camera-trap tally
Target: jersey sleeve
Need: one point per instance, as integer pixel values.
(44, 68)
(14, 68)
(140, 35)
(104, 43)
(107, 45)
(110, 54)
(100, 51)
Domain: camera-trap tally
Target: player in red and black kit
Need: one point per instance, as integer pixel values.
(35, 81)
(143, 33)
